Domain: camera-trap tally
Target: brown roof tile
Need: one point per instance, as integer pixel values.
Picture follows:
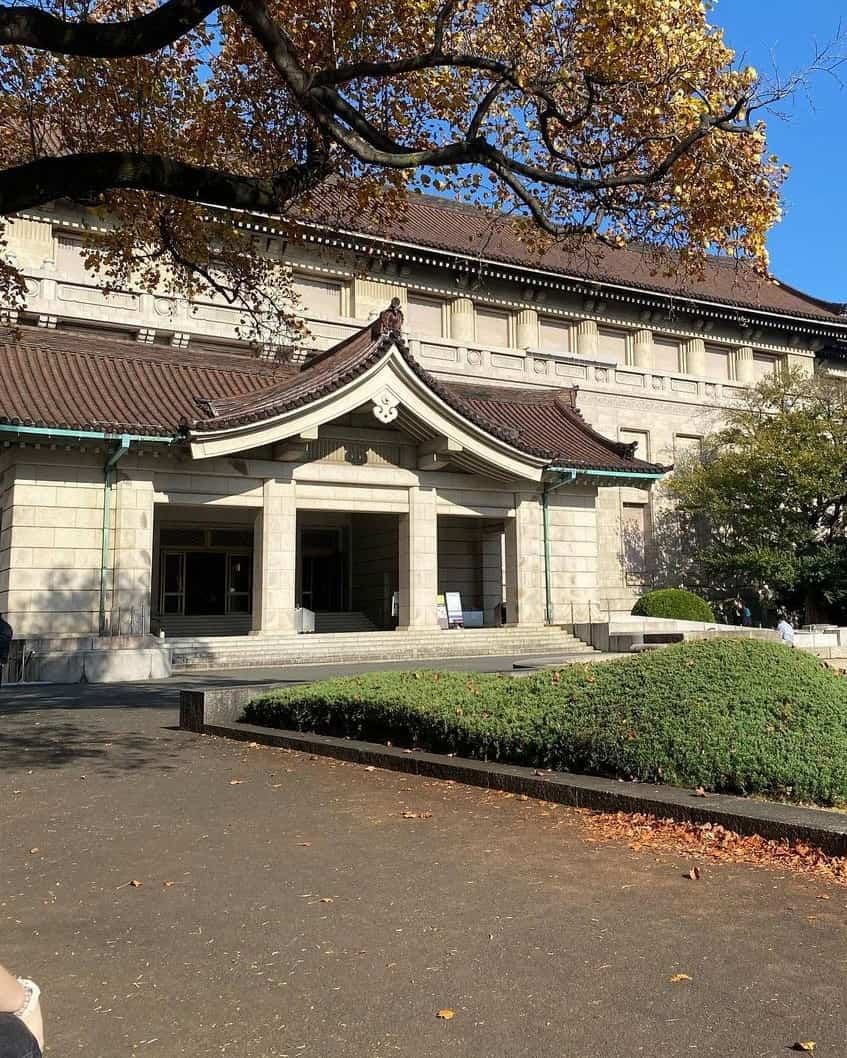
(442, 224)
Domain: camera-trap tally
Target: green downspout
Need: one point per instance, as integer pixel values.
(109, 474)
(569, 475)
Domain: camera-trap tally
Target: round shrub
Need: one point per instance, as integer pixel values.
(676, 603)
(731, 715)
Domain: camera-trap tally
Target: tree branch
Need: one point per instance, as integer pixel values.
(31, 27)
(78, 176)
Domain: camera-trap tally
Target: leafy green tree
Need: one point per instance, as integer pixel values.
(769, 496)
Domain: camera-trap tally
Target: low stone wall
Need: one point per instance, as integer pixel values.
(95, 659)
(621, 634)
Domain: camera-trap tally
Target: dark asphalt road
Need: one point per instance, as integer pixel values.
(308, 917)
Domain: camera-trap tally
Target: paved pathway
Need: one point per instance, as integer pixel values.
(307, 916)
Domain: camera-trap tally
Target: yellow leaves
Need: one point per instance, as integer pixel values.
(804, 1045)
(446, 1014)
(679, 978)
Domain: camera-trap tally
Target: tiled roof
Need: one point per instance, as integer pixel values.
(542, 423)
(442, 224)
(67, 381)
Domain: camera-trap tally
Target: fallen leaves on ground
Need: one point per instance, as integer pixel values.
(446, 1014)
(235, 782)
(699, 792)
(804, 1045)
(417, 815)
(677, 978)
(711, 841)
(694, 874)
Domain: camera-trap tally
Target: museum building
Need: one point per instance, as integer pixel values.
(465, 418)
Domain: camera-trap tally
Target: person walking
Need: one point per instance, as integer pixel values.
(21, 1024)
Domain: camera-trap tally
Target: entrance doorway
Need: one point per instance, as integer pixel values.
(324, 569)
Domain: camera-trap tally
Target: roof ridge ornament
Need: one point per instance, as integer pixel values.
(390, 321)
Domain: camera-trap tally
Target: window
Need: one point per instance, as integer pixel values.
(635, 528)
(492, 327)
(717, 361)
(611, 345)
(666, 355)
(318, 297)
(687, 448)
(640, 438)
(182, 537)
(424, 317)
(764, 365)
(554, 335)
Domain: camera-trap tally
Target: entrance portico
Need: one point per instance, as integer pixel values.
(355, 483)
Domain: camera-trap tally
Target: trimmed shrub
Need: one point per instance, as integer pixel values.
(676, 603)
(732, 715)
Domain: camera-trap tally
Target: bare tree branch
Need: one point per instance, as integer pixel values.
(31, 27)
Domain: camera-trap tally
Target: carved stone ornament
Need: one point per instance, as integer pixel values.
(386, 407)
(474, 358)
(390, 320)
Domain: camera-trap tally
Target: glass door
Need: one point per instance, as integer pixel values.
(239, 570)
(173, 582)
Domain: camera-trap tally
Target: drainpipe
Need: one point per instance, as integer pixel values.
(109, 474)
(568, 478)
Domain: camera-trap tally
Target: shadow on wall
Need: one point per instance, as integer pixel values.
(666, 557)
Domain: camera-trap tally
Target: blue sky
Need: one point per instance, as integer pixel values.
(807, 248)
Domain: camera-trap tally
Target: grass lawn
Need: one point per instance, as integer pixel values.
(733, 716)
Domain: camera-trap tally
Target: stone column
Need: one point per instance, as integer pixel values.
(128, 611)
(275, 559)
(695, 357)
(527, 329)
(462, 327)
(492, 574)
(587, 339)
(642, 349)
(525, 563)
(744, 371)
(419, 560)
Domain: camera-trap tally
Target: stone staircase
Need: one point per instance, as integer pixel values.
(343, 622)
(242, 652)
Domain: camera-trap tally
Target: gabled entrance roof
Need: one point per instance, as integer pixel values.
(222, 404)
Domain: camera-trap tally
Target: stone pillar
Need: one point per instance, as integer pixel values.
(128, 610)
(525, 599)
(587, 339)
(527, 329)
(744, 371)
(642, 349)
(695, 357)
(462, 324)
(275, 559)
(419, 560)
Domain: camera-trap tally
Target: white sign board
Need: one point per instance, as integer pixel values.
(454, 609)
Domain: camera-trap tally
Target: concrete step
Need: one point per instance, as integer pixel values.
(349, 623)
(248, 652)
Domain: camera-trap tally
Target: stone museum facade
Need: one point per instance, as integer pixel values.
(500, 439)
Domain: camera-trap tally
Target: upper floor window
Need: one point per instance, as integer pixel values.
(425, 317)
(611, 344)
(318, 297)
(763, 365)
(554, 335)
(666, 355)
(492, 326)
(641, 440)
(717, 363)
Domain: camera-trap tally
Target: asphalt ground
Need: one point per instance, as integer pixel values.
(294, 906)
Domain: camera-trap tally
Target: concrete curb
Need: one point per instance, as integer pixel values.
(214, 712)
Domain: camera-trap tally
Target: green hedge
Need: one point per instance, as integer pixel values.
(732, 715)
(675, 603)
